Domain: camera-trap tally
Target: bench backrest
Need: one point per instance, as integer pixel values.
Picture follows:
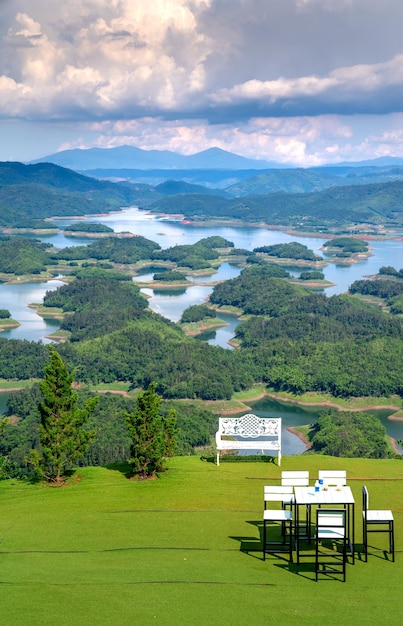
(252, 432)
(250, 425)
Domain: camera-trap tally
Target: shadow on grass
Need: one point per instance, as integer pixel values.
(253, 546)
(122, 468)
(237, 458)
(303, 570)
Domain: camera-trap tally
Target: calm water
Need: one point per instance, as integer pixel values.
(294, 415)
(170, 232)
(16, 298)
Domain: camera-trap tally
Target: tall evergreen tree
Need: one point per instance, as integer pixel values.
(62, 436)
(153, 435)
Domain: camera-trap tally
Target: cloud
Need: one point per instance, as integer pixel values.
(204, 71)
(359, 87)
(122, 62)
(193, 58)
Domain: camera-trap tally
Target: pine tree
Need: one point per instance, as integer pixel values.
(62, 436)
(153, 435)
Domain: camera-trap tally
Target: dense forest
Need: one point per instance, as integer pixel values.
(35, 192)
(21, 256)
(293, 340)
(337, 207)
(290, 338)
(292, 250)
(302, 341)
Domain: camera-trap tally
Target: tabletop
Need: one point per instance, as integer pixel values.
(333, 495)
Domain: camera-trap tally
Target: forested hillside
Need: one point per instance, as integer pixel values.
(377, 204)
(44, 190)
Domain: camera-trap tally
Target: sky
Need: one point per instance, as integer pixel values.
(299, 82)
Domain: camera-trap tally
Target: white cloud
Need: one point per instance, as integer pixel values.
(132, 55)
(282, 80)
(356, 79)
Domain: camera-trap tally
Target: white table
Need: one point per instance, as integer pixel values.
(333, 496)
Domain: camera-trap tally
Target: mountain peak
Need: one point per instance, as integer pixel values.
(130, 157)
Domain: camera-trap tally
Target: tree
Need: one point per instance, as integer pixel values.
(62, 436)
(153, 435)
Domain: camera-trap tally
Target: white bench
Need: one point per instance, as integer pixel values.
(249, 432)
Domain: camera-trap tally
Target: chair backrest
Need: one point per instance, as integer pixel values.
(333, 477)
(295, 479)
(365, 499)
(277, 493)
(331, 523)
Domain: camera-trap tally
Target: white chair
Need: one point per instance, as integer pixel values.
(277, 516)
(331, 527)
(298, 478)
(384, 521)
(336, 478)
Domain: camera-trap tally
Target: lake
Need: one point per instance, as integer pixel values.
(170, 232)
(171, 303)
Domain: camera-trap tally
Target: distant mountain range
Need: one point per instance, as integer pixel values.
(36, 192)
(132, 158)
(129, 157)
(219, 169)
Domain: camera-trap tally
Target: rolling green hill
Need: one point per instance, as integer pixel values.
(375, 204)
(46, 190)
(184, 549)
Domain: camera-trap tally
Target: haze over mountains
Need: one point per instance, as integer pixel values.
(129, 157)
(219, 169)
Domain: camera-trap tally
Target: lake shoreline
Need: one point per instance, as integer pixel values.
(323, 403)
(301, 436)
(180, 217)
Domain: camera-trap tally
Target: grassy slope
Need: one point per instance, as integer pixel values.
(172, 551)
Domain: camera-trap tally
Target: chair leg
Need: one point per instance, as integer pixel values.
(344, 558)
(270, 547)
(391, 534)
(365, 541)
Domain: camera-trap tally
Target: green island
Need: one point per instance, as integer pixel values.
(89, 229)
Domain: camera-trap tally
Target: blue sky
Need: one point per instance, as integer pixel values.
(301, 82)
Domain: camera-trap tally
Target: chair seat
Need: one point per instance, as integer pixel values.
(277, 515)
(377, 517)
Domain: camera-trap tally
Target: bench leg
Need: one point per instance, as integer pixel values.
(218, 458)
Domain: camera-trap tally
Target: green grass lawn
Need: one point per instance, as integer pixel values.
(183, 549)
